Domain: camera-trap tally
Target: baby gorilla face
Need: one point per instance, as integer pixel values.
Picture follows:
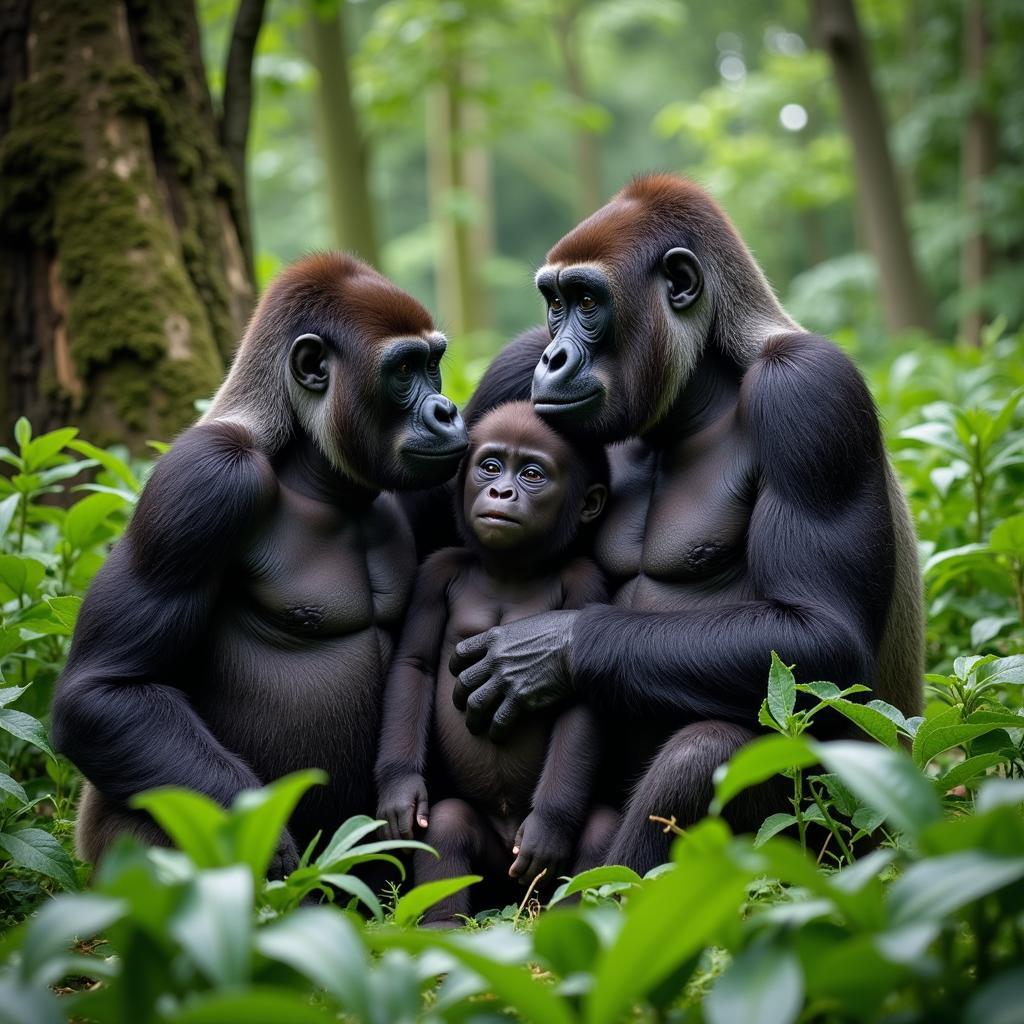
(514, 495)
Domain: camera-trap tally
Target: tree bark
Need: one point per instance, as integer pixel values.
(978, 158)
(346, 155)
(905, 303)
(126, 285)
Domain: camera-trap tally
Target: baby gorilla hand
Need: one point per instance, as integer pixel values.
(285, 859)
(542, 844)
(402, 804)
(512, 670)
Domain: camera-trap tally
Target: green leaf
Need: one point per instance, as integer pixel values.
(966, 770)
(23, 434)
(20, 575)
(567, 942)
(1002, 672)
(868, 719)
(669, 919)
(1000, 793)
(324, 946)
(885, 780)
(757, 761)
(946, 730)
(8, 507)
(772, 826)
(13, 788)
(998, 1000)
(110, 462)
(934, 888)
(27, 728)
(820, 689)
(57, 924)
(65, 609)
(259, 816)
(37, 850)
(355, 887)
(9, 694)
(85, 519)
(193, 821)
(419, 900)
(24, 1005)
(763, 985)
(594, 878)
(214, 924)
(781, 690)
(348, 834)
(259, 1004)
(44, 447)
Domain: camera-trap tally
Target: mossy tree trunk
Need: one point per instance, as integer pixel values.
(124, 283)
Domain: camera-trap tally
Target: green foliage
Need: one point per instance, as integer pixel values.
(890, 886)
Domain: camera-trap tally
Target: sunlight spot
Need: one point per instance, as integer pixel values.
(793, 117)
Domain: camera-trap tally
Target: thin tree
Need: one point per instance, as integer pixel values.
(123, 223)
(905, 302)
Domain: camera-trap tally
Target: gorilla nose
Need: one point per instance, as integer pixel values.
(442, 419)
(558, 366)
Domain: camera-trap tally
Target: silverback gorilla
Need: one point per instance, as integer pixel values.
(752, 507)
(243, 626)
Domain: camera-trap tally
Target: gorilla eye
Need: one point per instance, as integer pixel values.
(434, 365)
(587, 303)
(491, 467)
(532, 475)
(404, 371)
(555, 305)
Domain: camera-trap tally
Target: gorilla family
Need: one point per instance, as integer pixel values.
(245, 624)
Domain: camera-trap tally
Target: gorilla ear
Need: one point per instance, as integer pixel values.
(593, 502)
(685, 277)
(307, 361)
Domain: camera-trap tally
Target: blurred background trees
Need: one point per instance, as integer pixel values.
(870, 153)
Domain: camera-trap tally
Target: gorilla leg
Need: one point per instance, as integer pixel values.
(596, 839)
(457, 832)
(678, 784)
(101, 820)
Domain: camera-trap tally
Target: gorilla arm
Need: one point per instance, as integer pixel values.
(120, 712)
(409, 700)
(820, 557)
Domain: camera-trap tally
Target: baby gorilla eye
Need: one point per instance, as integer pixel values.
(490, 466)
(587, 303)
(532, 475)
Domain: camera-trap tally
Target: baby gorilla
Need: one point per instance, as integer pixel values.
(527, 493)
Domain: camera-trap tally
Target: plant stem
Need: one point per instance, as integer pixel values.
(22, 522)
(798, 799)
(833, 825)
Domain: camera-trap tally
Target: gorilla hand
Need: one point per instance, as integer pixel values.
(512, 670)
(542, 844)
(402, 804)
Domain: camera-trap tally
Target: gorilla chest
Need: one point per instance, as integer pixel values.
(318, 570)
(677, 519)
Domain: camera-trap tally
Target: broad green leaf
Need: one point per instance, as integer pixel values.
(259, 1004)
(85, 517)
(23, 434)
(772, 826)
(44, 447)
(966, 664)
(821, 689)
(763, 985)
(989, 628)
(358, 888)
(998, 1000)
(258, 817)
(37, 850)
(757, 761)
(214, 925)
(383, 850)
(781, 690)
(20, 575)
(9, 694)
(892, 713)
(194, 822)
(27, 728)
(1007, 537)
(1000, 793)
(324, 946)
(934, 888)
(348, 834)
(109, 461)
(65, 610)
(1003, 672)
(596, 877)
(669, 919)
(419, 900)
(869, 720)
(946, 730)
(885, 780)
(57, 924)
(64, 471)
(24, 1004)
(966, 770)
(13, 788)
(566, 941)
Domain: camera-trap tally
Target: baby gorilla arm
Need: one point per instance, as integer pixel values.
(409, 701)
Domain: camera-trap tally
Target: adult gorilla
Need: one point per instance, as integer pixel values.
(753, 507)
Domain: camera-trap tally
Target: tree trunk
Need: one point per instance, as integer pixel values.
(452, 169)
(904, 301)
(344, 147)
(978, 157)
(125, 284)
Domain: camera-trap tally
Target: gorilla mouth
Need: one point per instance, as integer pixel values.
(455, 452)
(493, 516)
(550, 405)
